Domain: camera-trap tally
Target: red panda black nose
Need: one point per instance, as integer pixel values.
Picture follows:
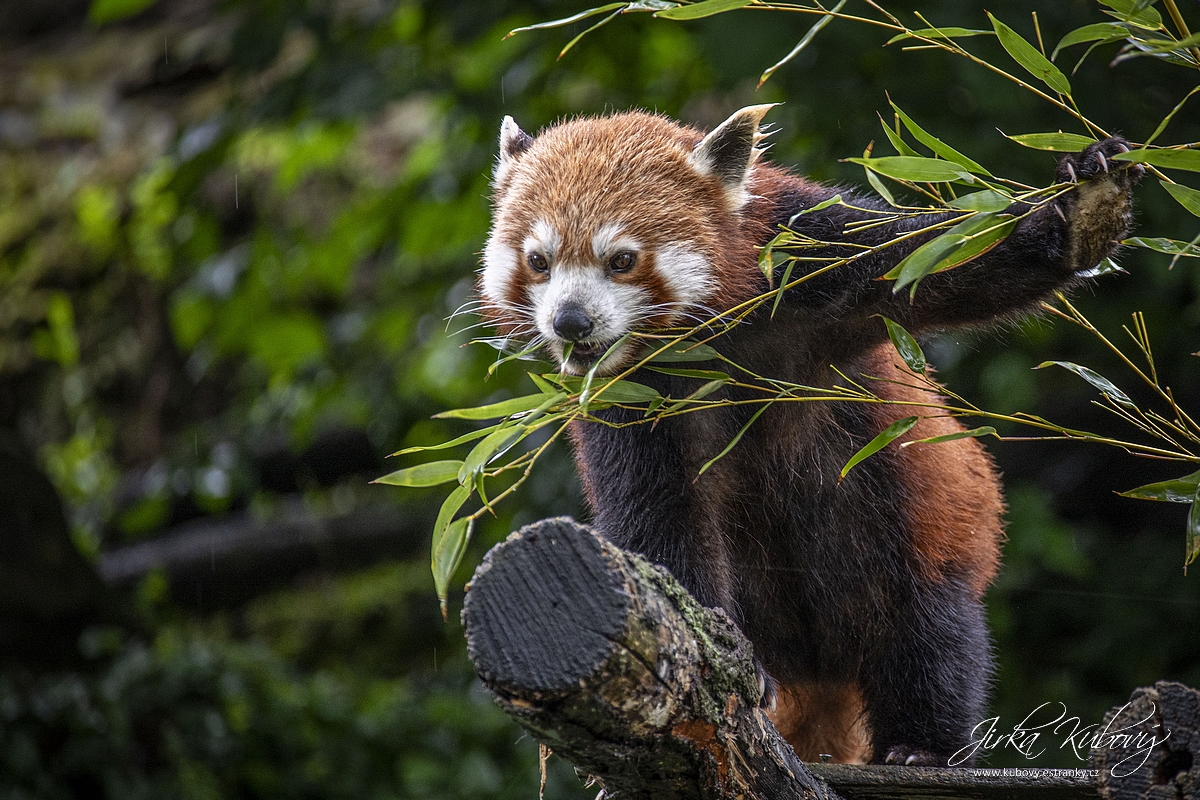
(572, 323)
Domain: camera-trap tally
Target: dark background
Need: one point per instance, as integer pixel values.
(230, 238)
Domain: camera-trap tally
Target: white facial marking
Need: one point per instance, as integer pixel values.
(686, 273)
(500, 264)
(608, 241)
(543, 238)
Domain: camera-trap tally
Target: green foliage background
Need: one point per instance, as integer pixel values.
(226, 226)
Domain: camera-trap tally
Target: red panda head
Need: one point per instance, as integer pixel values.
(608, 225)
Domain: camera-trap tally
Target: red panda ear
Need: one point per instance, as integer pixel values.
(513, 142)
(728, 152)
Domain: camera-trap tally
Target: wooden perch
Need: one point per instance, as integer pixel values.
(608, 661)
(1150, 749)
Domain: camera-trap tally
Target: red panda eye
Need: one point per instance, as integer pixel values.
(537, 262)
(622, 262)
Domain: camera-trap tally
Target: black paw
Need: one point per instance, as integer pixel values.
(1097, 160)
(911, 757)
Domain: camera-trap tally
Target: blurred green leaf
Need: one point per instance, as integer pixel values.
(432, 473)
(1028, 57)
(906, 346)
(886, 437)
(447, 553)
(558, 23)
(504, 408)
(803, 43)
(1172, 247)
(102, 11)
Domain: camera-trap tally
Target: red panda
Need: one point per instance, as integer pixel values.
(862, 598)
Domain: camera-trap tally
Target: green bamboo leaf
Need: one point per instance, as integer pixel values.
(1028, 57)
(623, 391)
(879, 187)
(1192, 542)
(974, 433)
(1187, 197)
(787, 276)
(1168, 45)
(704, 374)
(937, 145)
(705, 390)
(590, 377)
(504, 408)
(902, 147)
(1167, 119)
(430, 474)
(466, 437)
(685, 351)
(578, 36)
(915, 168)
(1172, 247)
(976, 234)
(558, 23)
(705, 8)
(1103, 384)
(987, 200)
(447, 553)
(1128, 11)
(1059, 142)
(494, 445)
(947, 32)
(922, 261)
(1171, 159)
(733, 442)
(836, 200)
(1096, 32)
(906, 346)
(886, 437)
(803, 43)
(1179, 490)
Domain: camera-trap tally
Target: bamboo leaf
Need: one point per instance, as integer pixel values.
(879, 187)
(703, 374)
(558, 23)
(1128, 11)
(1103, 384)
(1167, 119)
(976, 234)
(836, 200)
(902, 147)
(803, 43)
(987, 200)
(623, 391)
(886, 437)
(494, 445)
(447, 553)
(906, 346)
(733, 442)
(1187, 197)
(1192, 542)
(947, 32)
(706, 390)
(937, 145)
(1179, 490)
(685, 351)
(432, 473)
(466, 437)
(1059, 142)
(705, 8)
(915, 168)
(504, 408)
(974, 433)
(1028, 57)
(1171, 159)
(1096, 32)
(1172, 247)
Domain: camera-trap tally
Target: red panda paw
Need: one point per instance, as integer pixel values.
(909, 757)
(768, 687)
